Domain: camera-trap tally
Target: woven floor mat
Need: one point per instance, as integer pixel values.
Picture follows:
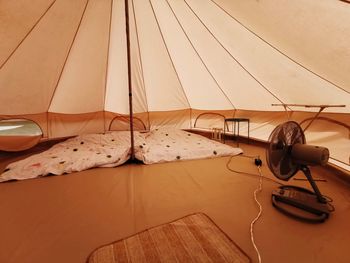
(194, 238)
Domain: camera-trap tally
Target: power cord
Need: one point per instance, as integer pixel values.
(258, 163)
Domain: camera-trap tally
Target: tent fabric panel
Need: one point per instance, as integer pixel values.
(65, 125)
(81, 88)
(206, 120)
(162, 86)
(115, 121)
(179, 119)
(235, 82)
(117, 99)
(122, 123)
(329, 130)
(313, 33)
(28, 79)
(17, 18)
(278, 73)
(332, 136)
(192, 72)
(139, 96)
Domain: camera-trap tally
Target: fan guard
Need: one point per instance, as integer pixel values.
(282, 138)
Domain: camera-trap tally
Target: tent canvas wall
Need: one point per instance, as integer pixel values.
(64, 63)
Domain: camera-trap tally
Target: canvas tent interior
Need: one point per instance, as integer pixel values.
(63, 64)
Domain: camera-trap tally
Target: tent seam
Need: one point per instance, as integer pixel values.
(172, 62)
(28, 33)
(240, 64)
(201, 59)
(141, 64)
(279, 51)
(107, 65)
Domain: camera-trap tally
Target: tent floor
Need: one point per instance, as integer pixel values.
(64, 218)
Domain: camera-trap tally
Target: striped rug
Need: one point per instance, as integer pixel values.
(194, 238)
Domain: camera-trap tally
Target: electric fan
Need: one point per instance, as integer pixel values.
(286, 154)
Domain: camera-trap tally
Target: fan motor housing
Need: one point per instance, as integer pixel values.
(309, 155)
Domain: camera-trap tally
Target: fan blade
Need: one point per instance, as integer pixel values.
(285, 166)
(276, 156)
(281, 136)
(294, 136)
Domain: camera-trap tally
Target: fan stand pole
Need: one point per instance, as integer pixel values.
(308, 175)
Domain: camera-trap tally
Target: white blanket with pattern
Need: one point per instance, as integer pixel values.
(73, 155)
(113, 149)
(166, 145)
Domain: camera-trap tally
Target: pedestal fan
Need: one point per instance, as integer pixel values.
(286, 154)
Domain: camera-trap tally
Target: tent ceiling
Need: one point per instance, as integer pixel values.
(70, 56)
(314, 33)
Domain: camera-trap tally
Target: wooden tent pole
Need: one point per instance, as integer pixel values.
(322, 107)
(129, 79)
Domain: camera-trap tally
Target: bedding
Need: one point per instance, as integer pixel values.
(166, 145)
(113, 149)
(75, 154)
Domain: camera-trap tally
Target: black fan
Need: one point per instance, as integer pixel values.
(286, 154)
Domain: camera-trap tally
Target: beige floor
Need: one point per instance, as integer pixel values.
(64, 218)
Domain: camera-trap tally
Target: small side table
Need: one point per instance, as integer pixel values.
(216, 134)
(234, 122)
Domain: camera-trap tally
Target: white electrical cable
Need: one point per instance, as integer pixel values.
(258, 216)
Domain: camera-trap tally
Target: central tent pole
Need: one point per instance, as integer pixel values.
(129, 78)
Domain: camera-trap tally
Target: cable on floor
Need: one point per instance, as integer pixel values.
(257, 190)
(246, 173)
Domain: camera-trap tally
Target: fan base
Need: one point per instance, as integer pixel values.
(300, 203)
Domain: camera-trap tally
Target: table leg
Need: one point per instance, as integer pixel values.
(224, 131)
(238, 135)
(248, 131)
(234, 129)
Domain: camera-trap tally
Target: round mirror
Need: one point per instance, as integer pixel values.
(19, 134)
